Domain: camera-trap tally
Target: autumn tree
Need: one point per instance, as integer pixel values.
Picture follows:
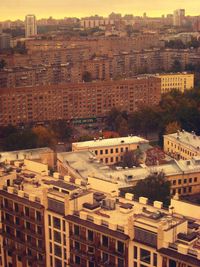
(45, 136)
(172, 127)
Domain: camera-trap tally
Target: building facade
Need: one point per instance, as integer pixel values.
(110, 151)
(182, 145)
(30, 26)
(176, 81)
(76, 100)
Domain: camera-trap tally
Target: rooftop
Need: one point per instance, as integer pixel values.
(111, 142)
(189, 139)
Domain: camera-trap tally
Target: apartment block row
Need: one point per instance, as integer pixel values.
(60, 221)
(76, 100)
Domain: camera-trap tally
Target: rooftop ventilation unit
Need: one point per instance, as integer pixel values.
(108, 204)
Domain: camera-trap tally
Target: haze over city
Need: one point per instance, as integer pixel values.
(17, 9)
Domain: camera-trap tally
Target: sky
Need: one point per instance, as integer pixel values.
(17, 9)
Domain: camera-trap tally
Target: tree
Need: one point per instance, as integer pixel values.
(61, 129)
(131, 158)
(176, 66)
(24, 139)
(45, 136)
(85, 138)
(154, 187)
(87, 76)
(121, 125)
(172, 127)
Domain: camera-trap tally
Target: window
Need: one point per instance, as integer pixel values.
(77, 260)
(63, 225)
(19, 258)
(49, 219)
(106, 151)
(190, 189)
(184, 190)
(120, 262)
(135, 252)
(77, 245)
(135, 264)
(179, 181)
(16, 206)
(39, 230)
(111, 150)
(96, 152)
(120, 247)
(38, 216)
(179, 190)
(145, 255)
(174, 182)
(57, 237)
(27, 211)
(28, 225)
(56, 223)
(18, 234)
(122, 149)
(104, 257)
(57, 250)
(76, 229)
(40, 257)
(17, 220)
(195, 179)
(28, 238)
(50, 235)
(190, 180)
(50, 248)
(185, 181)
(126, 149)
(116, 150)
(104, 241)
(91, 264)
(90, 235)
(155, 259)
(90, 249)
(58, 263)
(101, 152)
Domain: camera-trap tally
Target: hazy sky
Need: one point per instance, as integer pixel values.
(13, 9)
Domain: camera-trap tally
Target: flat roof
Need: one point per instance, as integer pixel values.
(111, 142)
(189, 139)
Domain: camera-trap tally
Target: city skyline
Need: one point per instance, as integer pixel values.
(18, 9)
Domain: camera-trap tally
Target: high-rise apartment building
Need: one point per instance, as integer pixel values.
(30, 26)
(179, 16)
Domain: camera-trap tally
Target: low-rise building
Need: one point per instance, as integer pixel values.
(182, 145)
(111, 150)
(176, 81)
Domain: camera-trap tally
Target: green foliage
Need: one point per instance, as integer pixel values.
(131, 158)
(154, 187)
(24, 139)
(182, 108)
(176, 66)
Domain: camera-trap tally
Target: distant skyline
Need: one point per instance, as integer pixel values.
(17, 9)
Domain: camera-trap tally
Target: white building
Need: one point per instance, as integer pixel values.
(30, 26)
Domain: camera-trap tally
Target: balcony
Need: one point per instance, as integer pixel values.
(83, 254)
(82, 239)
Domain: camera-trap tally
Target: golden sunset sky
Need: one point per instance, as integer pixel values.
(14, 9)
